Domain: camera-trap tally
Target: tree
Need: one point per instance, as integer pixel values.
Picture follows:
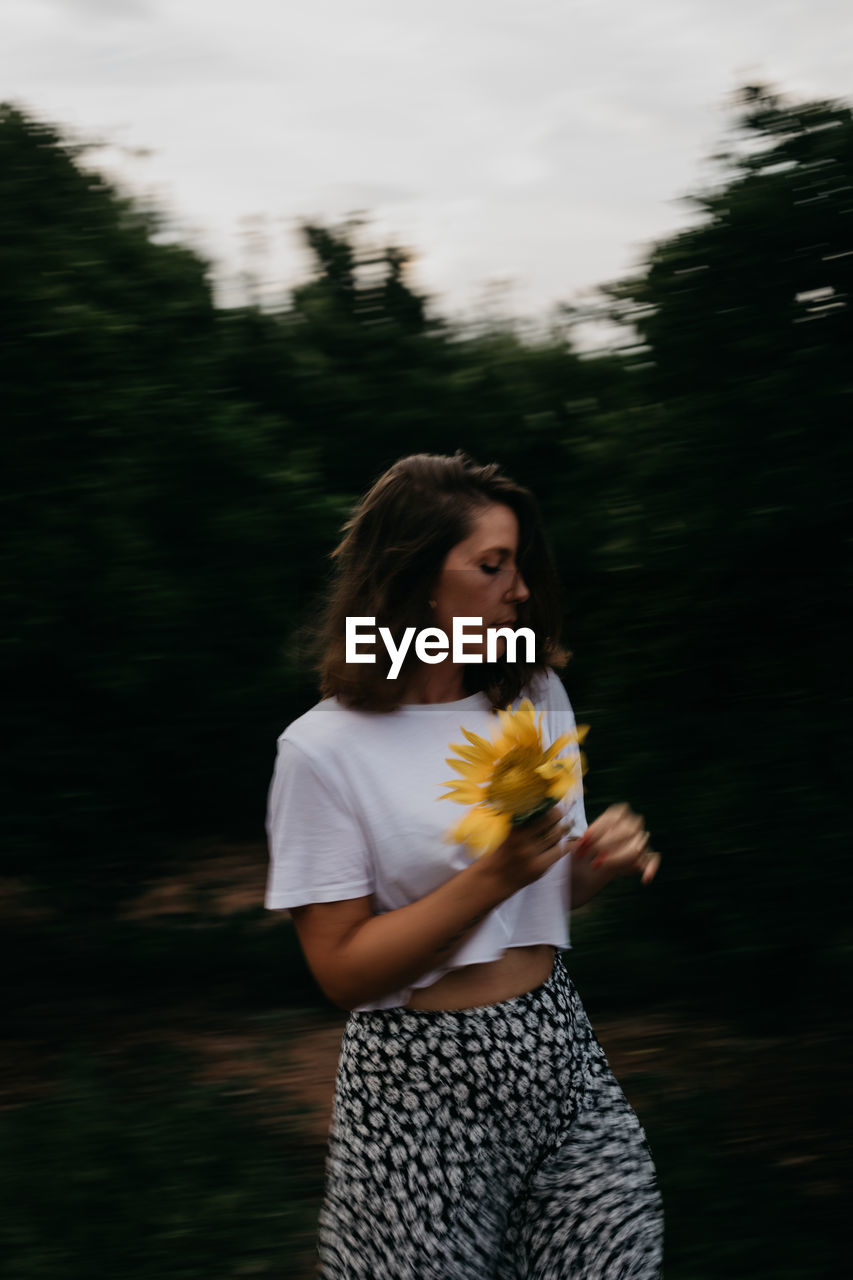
(731, 531)
(149, 522)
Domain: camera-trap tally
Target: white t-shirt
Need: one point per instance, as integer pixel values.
(355, 810)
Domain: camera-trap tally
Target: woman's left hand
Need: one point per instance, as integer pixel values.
(618, 843)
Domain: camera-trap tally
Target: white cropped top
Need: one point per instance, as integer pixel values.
(354, 811)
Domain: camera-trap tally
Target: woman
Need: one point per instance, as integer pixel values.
(477, 1129)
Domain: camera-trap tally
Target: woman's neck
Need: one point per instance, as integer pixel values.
(441, 683)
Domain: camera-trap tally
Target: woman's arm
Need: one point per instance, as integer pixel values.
(358, 957)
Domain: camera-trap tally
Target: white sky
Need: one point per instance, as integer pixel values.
(537, 142)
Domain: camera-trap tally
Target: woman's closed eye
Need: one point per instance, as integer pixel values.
(491, 568)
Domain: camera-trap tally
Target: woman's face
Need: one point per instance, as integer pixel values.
(480, 578)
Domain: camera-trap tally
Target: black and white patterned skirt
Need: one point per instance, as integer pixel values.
(486, 1144)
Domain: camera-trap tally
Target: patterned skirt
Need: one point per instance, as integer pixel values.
(486, 1144)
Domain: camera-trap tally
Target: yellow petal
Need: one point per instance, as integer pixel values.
(462, 792)
(505, 718)
(504, 742)
(557, 745)
(558, 778)
(522, 725)
(554, 768)
(482, 744)
(474, 754)
(473, 772)
(498, 830)
(468, 828)
(482, 829)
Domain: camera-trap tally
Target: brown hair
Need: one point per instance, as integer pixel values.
(394, 546)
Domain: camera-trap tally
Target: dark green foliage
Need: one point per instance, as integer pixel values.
(151, 534)
(181, 472)
(729, 549)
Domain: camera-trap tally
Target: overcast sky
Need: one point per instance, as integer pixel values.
(539, 142)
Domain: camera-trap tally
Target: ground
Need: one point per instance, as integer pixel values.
(751, 1121)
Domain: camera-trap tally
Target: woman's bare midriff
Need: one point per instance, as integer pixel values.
(519, 970)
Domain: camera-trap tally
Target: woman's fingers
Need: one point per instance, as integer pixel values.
(530, 850)
(618, 839)
(549, 835)
(624, 847)
(651, 868)
(617, 825)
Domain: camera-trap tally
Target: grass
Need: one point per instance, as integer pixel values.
(138, 1170)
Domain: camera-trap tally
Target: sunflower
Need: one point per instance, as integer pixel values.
(510, 780)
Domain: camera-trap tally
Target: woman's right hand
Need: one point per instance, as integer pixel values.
(530, 850)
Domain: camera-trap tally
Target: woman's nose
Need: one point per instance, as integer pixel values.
(518, 589)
